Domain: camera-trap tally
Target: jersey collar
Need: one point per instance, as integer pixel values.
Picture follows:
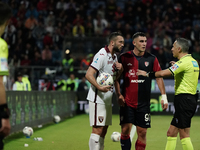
(185, 56)
(107, 50)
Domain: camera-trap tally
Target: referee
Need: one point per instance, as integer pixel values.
(186, 74)
(5, 14)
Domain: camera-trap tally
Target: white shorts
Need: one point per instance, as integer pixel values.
(100, 114)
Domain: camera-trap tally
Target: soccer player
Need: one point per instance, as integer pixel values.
(5, 14)
(100, 97)
(136, 91)
(186, 74)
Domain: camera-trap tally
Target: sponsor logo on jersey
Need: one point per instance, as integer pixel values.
(131, 73)
(174, 67)
(101, 118)
(137, 81)
(129, 64)
(110, 62)
(101, 54)
(96, 60)
(195, 64)
(146, 63)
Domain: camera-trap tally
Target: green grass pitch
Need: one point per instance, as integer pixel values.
(74, 133)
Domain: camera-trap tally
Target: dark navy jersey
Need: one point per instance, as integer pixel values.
(137, 89)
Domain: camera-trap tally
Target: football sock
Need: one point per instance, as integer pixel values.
(187, 144)
(139, 145)
(125, 142)
(171, 143)
(94, 142)
(133, 129)
(101, 141)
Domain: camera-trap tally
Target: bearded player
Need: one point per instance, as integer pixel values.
(100, 97)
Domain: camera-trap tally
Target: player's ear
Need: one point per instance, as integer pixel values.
(179, 49)
(133, 42)
(112, 43)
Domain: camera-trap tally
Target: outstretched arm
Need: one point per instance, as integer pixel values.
(158, 74)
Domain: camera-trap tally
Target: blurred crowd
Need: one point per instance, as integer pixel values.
(38, 28)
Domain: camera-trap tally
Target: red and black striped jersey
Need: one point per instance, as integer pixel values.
(137, 89)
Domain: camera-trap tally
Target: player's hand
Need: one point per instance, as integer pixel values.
(164, 106)
(141, 73)
(164, 102)
(5, 128)
(121, 100)
(119, 66)
(172, 62)
(104, 88)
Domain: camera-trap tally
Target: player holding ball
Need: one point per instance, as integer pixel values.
(100, 97)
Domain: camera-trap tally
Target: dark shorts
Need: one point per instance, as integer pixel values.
(185, 107)
(138, 117)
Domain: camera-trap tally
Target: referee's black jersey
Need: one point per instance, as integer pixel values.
(137, 89)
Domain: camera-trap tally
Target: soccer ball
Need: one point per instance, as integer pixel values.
(115, 136)
(28, 131)
(56, 119)
(104, 79)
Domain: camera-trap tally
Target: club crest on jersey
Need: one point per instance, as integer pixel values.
(110, 62)
(146, 63)
(131, 73)
(101, 118)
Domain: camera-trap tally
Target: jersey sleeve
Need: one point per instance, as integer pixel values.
(176, 68)
(98, 61)
(3, 58)
(156, 65)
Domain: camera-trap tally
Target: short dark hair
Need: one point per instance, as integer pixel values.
(184, 44)
(137, 34)
(5, 12)
(113, 35)
(19, 74)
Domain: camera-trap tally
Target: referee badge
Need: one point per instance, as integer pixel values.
(146, 63)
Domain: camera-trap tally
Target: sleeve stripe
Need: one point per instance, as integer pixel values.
(171, 71)
(94, 68)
